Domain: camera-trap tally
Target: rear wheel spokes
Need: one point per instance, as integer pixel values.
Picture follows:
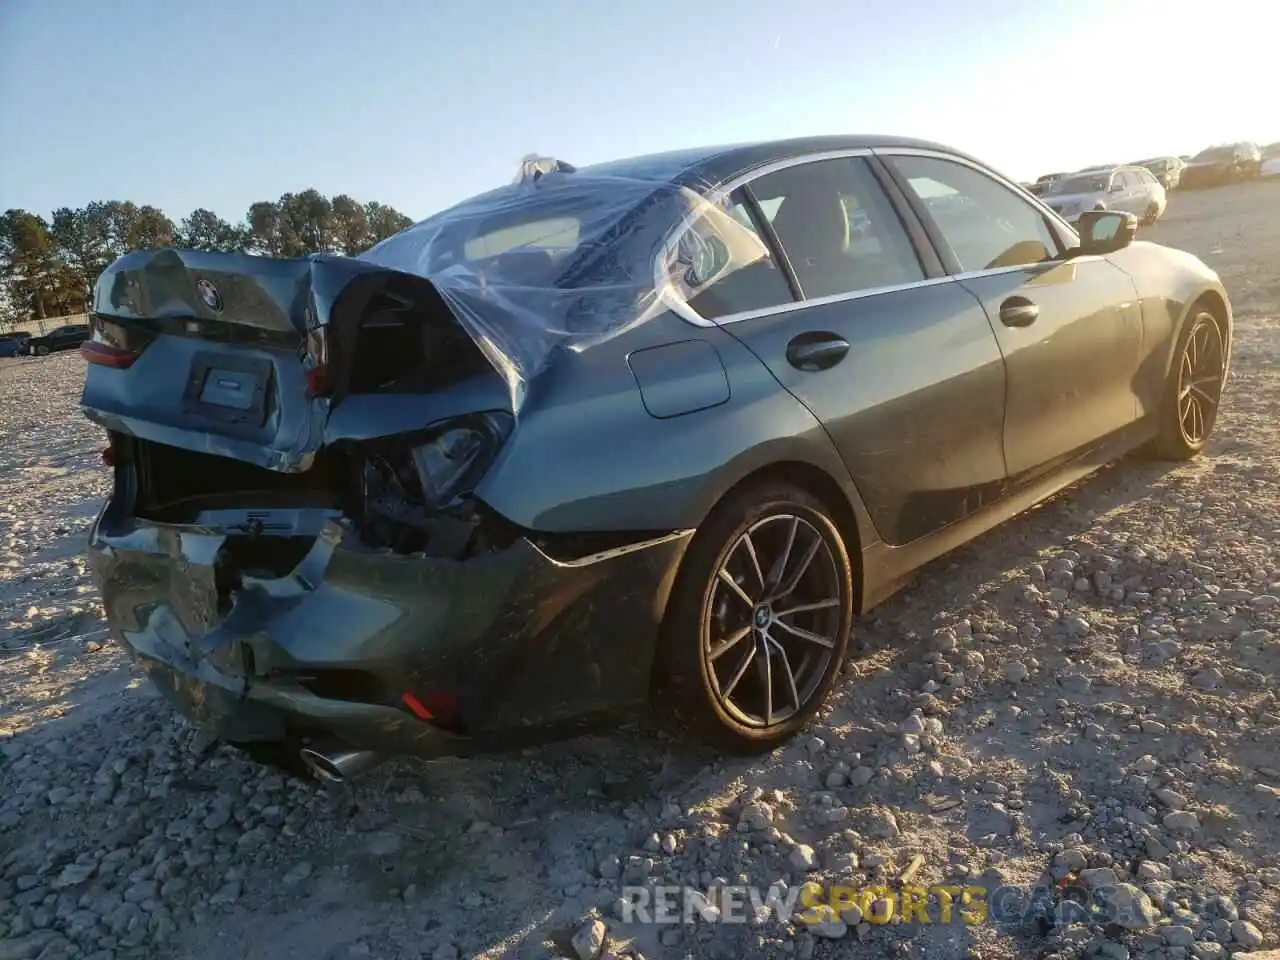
(765, 669)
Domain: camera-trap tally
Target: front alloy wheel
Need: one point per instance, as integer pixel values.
(1194, 391)
(766, 592)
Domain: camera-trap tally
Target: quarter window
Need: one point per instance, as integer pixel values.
(837, 228)
(986, 224)
(721, 266)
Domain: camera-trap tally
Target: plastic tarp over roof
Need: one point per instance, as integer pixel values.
(562, 259)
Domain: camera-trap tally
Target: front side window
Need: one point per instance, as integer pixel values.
(986, 224)
(837, 228)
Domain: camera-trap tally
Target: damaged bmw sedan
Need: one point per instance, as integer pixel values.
(651, 431)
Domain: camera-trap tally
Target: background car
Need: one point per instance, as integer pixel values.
(1229, 163)
(1043, 183)
(1168, 170)
(1131, 189)
(66, 337)
(1270, 160)
(13, 344)
(657, 428)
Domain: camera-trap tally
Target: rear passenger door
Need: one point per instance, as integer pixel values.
(1070, 330)
(896, 360)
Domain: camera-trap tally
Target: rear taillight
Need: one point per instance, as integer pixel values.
(113, 344)
(433, 707)
(319, 381)
(106, 355)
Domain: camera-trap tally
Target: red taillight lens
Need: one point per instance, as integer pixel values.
(440, 708)
(107, 356)
(417, 706)
(319, 382)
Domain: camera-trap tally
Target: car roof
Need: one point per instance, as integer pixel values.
(705, 167)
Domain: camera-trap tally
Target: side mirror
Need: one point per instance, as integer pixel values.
(1106, 231)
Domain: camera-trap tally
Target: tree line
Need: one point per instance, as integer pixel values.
(48, 267)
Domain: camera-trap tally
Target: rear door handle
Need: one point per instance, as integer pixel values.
(1018, 312)
(816, 351)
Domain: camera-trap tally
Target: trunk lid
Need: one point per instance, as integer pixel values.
(247, 357)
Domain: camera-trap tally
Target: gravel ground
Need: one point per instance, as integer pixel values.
(1087, 694)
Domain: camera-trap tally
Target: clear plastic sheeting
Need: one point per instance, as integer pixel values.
(563, 259)
(534, 166)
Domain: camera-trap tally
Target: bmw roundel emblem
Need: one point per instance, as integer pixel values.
(209, 295)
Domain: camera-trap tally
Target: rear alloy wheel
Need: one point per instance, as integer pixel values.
(758, 625)
(1152, 215)
(1194, 391)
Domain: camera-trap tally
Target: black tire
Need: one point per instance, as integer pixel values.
(1152, 215)
(42, 351)
(1192, 395)
(688, 672)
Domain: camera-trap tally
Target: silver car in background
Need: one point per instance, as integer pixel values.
(1130, 189)
(1168, 170)
(1270, 160)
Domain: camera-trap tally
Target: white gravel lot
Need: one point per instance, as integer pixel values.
(1092, 687)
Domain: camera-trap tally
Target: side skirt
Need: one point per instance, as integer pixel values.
(887, 569)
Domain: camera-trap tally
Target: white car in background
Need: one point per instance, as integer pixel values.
(1131, 189)
(1271, 160)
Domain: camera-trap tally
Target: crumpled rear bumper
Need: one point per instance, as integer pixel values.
(522, 643)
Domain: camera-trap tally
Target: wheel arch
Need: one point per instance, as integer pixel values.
(840, 498)
(838, 495)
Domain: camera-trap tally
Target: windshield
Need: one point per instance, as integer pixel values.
(1217, 153)
(1156, 166)
(1093, 183)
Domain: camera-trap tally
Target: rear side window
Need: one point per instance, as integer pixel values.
(721, 266)
(837, 228)
(987, 225)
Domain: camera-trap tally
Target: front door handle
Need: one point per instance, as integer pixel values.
(814, 351)
(1018, 312)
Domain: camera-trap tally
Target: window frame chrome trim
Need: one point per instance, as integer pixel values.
(720, 192)
(715, 196)
(995, 175)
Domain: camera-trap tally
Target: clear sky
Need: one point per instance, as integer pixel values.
(420, 103)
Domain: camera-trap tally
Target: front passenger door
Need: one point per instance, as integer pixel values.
(1070, 330)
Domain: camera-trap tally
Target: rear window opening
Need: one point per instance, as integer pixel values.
(406, 338)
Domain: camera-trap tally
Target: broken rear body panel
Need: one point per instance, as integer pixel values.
(266, 555)
(506, 643)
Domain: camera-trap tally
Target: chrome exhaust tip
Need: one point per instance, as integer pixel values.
(337, 765)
